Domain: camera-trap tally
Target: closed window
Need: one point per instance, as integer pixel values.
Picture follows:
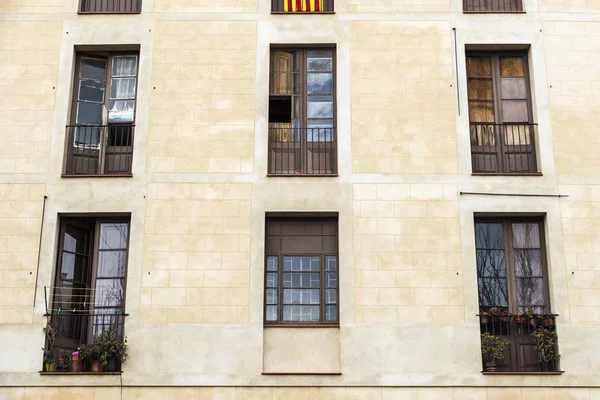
(302, 133)
(301, 6)
(100, 136)
(501, 123)
(513, 288)
(110, 6)
(491, 6)
(301, 271)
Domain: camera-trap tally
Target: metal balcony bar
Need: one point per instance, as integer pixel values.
(507, 148)
(110, 6)
(522, 354)
(491, 6)
(99, 150)
(302, 151)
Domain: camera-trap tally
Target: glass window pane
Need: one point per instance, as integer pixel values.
(516, 134)
(530, 291)
(331, 313)
(272, 279)
(272, 263)
(512, 66)
(301, 296)
(301, 280)
(515, 111)
(319, 107)
(112, 263)
(319, 60)
(491, 263)
(513, 88)
(75, 240)
(93, 68)
(271, 313)
(481, 111)
(294, 263)
(301, 313)
(319, 130)
(528, 263)
(124, 66)
(481, 89)
(479, 66)
(68, 266)
(331, 296)
(526, 235)
(89, 114)
(492, 292)
(91, 91)
(271, 296)
(88, 136)
(122, 88)
(109, 292)
(110, 318)
(113, 236)
(121, 111)
(331, 263)
(320, 83)
(331, 279)
(489, 236)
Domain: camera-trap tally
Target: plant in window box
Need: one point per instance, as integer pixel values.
(49, 362)
(90, 354)
(112, 351)
(545, 342)
(492, 349)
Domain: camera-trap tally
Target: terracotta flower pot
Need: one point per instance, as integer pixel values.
(490, 366)
(96, 366)
(75, 366)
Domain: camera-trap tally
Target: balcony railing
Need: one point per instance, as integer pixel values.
(302, 6)
(492, 6)
(306, 151)
(523, 354)
(110, 6)
(507, 148)
(99, 150)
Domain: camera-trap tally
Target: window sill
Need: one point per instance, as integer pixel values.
(303, 175)
(302, 12)
(503, 174)
(97, 176)
(523, 373)
(494, 12)
(79, 373)
(301, 373)
(106, 12)
(301, 325)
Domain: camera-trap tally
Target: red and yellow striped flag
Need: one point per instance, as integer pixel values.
(302, 5)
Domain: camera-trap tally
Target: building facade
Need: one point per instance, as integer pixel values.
(300, 199)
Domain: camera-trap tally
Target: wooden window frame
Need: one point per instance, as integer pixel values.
(104, 149)
(102, 7)
(277, 8)
(303, 146)
(517, 9)
(505, 150)
(322, 276)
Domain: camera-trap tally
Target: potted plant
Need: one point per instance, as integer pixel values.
(49, 362)
(548, 320)
(90, 353)
(492, 349)
(520, 319)
(111, 349)
(484, 317)
(545, 343)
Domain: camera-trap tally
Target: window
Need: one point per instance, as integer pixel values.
(302, 134)
(301, 6)
(100, 137)
(110, 6)
(500, 113)
(513, 287)
(301, 272)
(88, 297)
(486, 6)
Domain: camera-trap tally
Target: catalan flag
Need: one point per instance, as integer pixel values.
(302, 5)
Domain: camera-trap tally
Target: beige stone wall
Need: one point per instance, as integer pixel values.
(202, 98)
(398, 6)
(28, 76)
(569, 6)
(402, 98)
(204, 6)
(32, 6)
(196, 264)
(407, 254)
(573, 61)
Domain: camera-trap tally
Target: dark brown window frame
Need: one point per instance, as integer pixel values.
(277, 7)
(119, 155)
(323, 255)
(325, 148)
(110, 7)
(493, 6)
(500, 151)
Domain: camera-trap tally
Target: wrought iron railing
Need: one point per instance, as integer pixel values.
(490, 6)
(110, 6)
(503, 148)
(302, 151)
(99, 150)
(306, 6)
(525, 334)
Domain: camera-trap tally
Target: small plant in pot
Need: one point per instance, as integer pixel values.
(484, 317)
(90, 354)
(492, 349)
(49, 362)
(106, 351)
(545, 343)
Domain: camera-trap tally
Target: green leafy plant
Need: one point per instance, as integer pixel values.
(110, 347)
(493, 348)
(545, 343)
